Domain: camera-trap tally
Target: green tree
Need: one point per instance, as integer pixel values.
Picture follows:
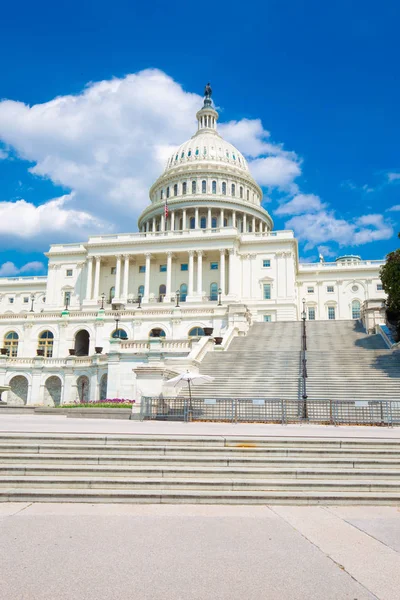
(390, 277)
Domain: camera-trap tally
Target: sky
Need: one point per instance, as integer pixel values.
(95, 95)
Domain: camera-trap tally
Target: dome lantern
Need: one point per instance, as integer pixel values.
(207, 116)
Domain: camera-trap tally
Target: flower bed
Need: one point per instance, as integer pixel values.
(107, 403)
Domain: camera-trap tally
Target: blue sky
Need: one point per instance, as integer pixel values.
(96, 94)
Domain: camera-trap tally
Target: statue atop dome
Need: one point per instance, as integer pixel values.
(208, 91)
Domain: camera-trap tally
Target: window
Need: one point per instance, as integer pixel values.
(119, 334)
(203, 186)
(224, 187)
(197, 152)
(248, 195)
(267, 291)
(193, 187)
(310, 290)
(45, 343)
(11, 300)
(214, 187)
(176, 157)
(113, 270)
(214, 266)
(331, 313)
(311, 313)
(163, 268)
(162, 194)
(167, 192)
(162, 290)
(184, 266)
(379, 287)
(69, 272)
(182, 155)
(112, 294)
(26, 299)
(142, 269)
(355, 309)
(233, 188)
(67, 298)
(184, 186)
(266, 263)
(203, 222)
(241, 192)
(196, 332)
(225, 222)
(189, 153)
(11, 343)
(141, 290)
(183, 292)
(204, 150)
(214, 222)
(175, 189)
(330, 288)
(192, 223)
(214, 291)
(157, 332)
(267, 319)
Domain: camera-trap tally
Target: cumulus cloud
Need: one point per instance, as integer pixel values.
(394, 208)
(276, 171)
(3, 154)
(393, 177)
(9, 269)
(301, 203)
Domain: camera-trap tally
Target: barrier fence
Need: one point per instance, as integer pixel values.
(260, 410)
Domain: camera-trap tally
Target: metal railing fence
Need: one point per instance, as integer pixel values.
(267, 410)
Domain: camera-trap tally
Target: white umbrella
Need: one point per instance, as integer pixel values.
(191, 378)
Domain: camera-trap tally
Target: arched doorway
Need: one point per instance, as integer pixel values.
(52, 391)
(157, 332)
(162, 290)
(103, 386)
(82, 340)
(183, 292)
(83, 388)
(18, 394)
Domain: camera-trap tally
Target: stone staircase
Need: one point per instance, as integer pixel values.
(50, 467)
(343, 363)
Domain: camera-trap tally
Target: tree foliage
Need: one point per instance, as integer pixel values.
(390, 277)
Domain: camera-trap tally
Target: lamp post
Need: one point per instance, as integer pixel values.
(177, 294)
(304, 360)
(32, 301)
(116, 319)
(67, 299)
(103, 297)
(219, 297)
(139, 301)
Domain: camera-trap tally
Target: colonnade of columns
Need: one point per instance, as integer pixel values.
(182, 219)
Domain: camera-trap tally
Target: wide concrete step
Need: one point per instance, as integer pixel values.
(199, 496)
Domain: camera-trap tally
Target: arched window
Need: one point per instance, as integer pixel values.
(141, 290)
(119, 334)
(233, 188)
(224, 187)
(182, 155)
(196, 332)
(162, 194)
(214, 291)
(175, 189)
(355, 309)
(197, 152)
(184, 187)
(189, 153)
(248, 195)
(157, 332)
(162, 290)
(45, 343)
(112, 294)
(203, 223)
(11, 343)
(203, 186)
(192, 223)
(241, 192)
(193, 187)
(168, 192)
(214, 223)
(214, 187)
(82, 343)
(183, 292)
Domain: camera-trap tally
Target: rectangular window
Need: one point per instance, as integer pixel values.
(214, 266)
(330, 288)
(267, 291)
(266, 262)
(69, 272)
(11, 300)
(142, 269)
(113, 270)
(26, 299)
(163, 268)
(267, 318)
(184, 267)
(310, 290)
(379, 287)
(311, 314)
(331, 313)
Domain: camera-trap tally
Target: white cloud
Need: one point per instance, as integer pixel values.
(276, 171)
(3, 154)
(8, 269)
(326, 251)
(393, 177)
(394, 208)
(301, 203)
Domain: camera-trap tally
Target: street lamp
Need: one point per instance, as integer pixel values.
(139, 301)
(67, 300)
(32, 301)
(116, 319)
(103, 297)
(177, 294)
(219, 297)
(304, 314)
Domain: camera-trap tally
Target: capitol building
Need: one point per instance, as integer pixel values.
(117, 315)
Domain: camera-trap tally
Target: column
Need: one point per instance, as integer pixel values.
(221, 218)
(118, 277)
(126, 276)
(168, 286)
(147, 277)
(244, 222)
(260, 226)
(222, 271)
(89, 278)
(209, 221)
(234, 218)
(173, 220)
(196, 219)
(184, 218)
(154, 224)
(97, 278)
(200, 272)
(191, 265)
(231, 270)
(163, 222)
(254, 225)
